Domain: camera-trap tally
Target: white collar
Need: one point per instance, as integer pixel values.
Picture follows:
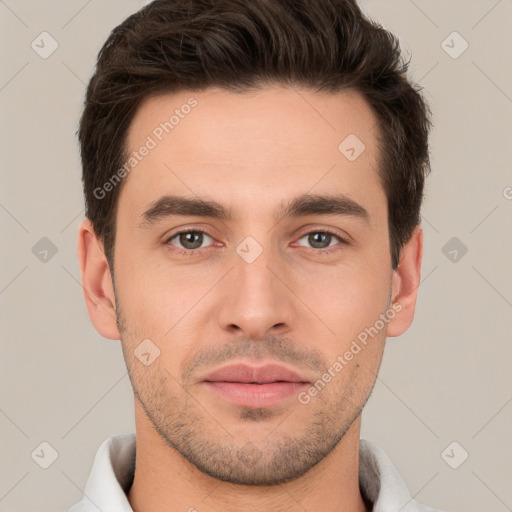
(114, 466)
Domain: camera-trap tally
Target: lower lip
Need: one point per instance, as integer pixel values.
(256, 395)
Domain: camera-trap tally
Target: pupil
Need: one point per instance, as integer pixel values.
(188, 238)
(315, 242)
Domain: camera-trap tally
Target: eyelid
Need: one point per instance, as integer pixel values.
(342, 235)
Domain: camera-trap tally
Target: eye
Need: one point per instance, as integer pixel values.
(189, 241)
(321, 239)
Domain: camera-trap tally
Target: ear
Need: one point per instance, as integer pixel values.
(97, 282)
(405, 283)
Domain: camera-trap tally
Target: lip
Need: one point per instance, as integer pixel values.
(254, 374)
(255, 386)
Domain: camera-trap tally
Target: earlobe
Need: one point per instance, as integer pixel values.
(405, 283)
(96, 282)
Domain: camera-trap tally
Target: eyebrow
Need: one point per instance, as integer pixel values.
(306, 204)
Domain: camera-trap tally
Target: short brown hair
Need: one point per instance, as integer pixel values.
(329, 45)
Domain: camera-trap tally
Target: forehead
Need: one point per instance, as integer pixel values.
(274, 142)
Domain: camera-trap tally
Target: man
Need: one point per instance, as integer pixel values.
(253, 176)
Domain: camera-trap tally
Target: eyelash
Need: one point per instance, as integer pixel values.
(193, 252)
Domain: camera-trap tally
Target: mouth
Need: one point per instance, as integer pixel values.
(251, 386)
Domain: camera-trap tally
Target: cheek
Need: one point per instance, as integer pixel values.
(347, 298)
(150, 292)
(162, 303)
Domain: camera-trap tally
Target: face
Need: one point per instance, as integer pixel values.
(246, 275)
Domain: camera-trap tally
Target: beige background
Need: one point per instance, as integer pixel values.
(447, 379)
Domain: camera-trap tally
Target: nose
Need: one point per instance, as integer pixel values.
(256, 298)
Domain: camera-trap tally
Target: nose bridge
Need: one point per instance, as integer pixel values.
(252, 269)
(257, 301)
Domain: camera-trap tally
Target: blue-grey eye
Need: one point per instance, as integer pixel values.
(321, 239)
(190, 239)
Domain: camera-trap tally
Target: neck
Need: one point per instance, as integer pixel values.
(164, 480)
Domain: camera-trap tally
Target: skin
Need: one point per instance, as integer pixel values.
(293, 305)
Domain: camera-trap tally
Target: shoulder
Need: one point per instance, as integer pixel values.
(382, 484)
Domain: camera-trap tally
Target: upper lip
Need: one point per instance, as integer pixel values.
(254, 374)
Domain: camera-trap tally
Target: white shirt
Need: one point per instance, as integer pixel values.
(114, 467)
